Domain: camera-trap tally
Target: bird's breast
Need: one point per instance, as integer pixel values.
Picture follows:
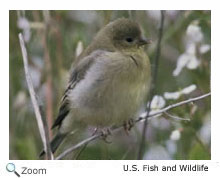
(113, 90)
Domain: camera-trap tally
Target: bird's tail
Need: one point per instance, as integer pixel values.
(57, 140)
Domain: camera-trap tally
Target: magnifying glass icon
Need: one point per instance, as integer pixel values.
(11, 168)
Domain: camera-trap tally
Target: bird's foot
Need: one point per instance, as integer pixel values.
(105, 133)
(128, 125)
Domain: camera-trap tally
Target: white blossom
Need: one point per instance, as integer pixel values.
(177, 94)
(175, 135)
(189, 59)
(189, 89)
(204, 48)
(158, 102)
(193, 63)
(172, 95)
(185, 59)
(194, 33)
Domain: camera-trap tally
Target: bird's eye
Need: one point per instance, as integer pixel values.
(129, 40)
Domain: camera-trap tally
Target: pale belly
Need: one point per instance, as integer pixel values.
(110, 105)
(109, 100)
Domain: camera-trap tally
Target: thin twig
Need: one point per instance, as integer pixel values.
(80, 151)
(39, 118)
(176, 117)
(116, 129)
(153, 86)
(49, 104)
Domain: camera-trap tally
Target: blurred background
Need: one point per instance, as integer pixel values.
(54, 39)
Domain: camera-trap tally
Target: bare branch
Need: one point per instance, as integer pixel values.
(176, 117)
(143, 116)
(43, 133)
(48, 67)
(153, 84)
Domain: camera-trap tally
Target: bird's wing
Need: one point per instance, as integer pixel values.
(77, 74)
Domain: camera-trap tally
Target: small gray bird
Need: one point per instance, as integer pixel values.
(109, 81)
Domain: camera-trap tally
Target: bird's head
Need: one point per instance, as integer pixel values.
(122, 34)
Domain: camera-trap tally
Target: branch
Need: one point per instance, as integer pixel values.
(153, 83)
(49, 98)
(42, 126)
(143, 116)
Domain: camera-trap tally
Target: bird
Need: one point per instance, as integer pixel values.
(109, 81)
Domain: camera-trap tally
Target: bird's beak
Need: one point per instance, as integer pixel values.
(144, 41)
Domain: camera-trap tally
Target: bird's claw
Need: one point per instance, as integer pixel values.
(105, 133)
(128, 125)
